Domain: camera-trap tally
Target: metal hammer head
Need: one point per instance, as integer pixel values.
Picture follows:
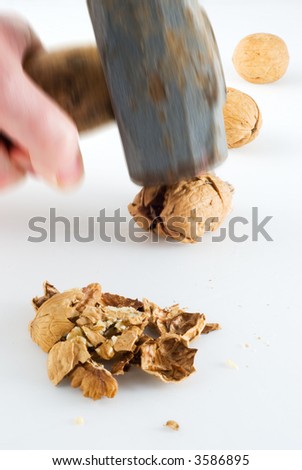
(166, 83)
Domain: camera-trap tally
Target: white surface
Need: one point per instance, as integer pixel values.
(252, 289)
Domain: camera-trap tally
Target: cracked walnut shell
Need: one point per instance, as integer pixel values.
(185, 210)
(64, 356)
(242, 118)
(53, 317)
(261, 58)
(81, 329)
(168, 357)
(174, 320)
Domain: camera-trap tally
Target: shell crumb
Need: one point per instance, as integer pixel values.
(79, 421)
(172, 425)
(231, 364)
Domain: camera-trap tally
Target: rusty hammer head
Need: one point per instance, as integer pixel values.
(166, 83)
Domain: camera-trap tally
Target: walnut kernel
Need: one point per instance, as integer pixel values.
(94, 380)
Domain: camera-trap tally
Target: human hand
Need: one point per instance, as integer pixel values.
(36, 136)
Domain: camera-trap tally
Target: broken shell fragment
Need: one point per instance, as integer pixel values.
(168, 357)
(64, 356)
(119, 301)
(53, 319)
(81, 329)
(49, 291)
(122, 363)
(174, 320)
(209, 327)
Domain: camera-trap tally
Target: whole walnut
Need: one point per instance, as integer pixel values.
(242, 118)
(185, 210)
(261, 58)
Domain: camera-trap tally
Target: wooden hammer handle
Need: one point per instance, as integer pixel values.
(74, 78)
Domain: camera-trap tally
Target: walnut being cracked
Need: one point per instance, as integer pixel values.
(242, 118)
(81, 329)
(185, 210)
(261, 58)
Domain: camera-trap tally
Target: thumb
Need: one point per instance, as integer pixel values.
(45, 131)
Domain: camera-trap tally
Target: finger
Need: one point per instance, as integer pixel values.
(19, 35)
(21, 159)
(48, 134)
(9, 173)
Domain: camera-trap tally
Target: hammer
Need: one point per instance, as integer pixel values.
(157, 71)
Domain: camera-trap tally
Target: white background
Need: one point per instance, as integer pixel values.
(253, 289)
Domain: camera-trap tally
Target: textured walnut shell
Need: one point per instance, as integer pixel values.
(176, 321)
(168, 357)
(261, 58)
(185, 210)
(209, 327)
(119, 301)
(242, 118)
(82, 328)
(64, 356)
(122, 364)
(49, 291)
(92, 297)
(52, 321)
